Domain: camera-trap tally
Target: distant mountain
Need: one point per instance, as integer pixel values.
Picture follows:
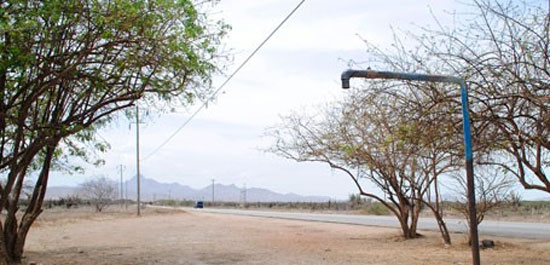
(153, 190)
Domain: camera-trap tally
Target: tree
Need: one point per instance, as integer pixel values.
(493, 189)
(502, 51)
(67, 67)
(100, 191)
(368, 136)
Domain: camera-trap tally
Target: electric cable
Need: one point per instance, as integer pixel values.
(224, 83)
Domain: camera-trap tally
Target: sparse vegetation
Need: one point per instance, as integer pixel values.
(72, 201)
(538, 211)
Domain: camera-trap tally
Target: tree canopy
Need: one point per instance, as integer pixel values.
(404, 136)
(68, 66)
(502, 52)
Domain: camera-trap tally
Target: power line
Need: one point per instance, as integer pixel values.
(225, 82)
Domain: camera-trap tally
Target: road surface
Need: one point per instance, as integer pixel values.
(488, 228)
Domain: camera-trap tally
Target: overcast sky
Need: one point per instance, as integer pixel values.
(298, 68)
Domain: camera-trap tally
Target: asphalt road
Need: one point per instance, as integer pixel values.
(487, 228)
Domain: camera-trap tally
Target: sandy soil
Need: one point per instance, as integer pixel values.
(168, 237)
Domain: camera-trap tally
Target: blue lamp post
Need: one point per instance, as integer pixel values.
(371, 74)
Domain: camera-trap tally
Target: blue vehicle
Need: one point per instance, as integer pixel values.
(199, 204)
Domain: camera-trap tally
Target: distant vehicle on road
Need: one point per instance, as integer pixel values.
(199, 204)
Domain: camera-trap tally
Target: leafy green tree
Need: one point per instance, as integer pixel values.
(67, 67)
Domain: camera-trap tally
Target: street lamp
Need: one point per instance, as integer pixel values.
(371, 74)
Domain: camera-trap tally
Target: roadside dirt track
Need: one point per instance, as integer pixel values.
(203, 238)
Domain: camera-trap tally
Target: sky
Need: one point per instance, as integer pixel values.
(299, 68)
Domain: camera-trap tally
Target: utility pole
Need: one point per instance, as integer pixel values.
(213, 192)
(243, 196)
(137, 161)
(126, 195)
(121, 187)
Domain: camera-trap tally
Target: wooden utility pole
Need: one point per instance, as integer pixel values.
(121, 186)
(137, 161)
(243, 196)
(213, 192)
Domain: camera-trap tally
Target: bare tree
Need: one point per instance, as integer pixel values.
(99, 191)
(369, 136)
(493, 189)
(502, 51)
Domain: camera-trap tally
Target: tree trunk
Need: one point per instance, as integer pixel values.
(443, 229)
(408, 230)
(4, 260)
(415, 213)
(13, 236)
(405, 227)
(437, 209)
(8, 255)
(408, 212)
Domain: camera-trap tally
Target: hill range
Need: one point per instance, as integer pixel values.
(153, 190)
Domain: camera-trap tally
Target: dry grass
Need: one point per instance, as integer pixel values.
(168, 237)
(60, 215)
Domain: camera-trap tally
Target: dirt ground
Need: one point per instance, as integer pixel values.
(170, 237)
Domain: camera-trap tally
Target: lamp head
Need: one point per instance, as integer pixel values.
(346, 75)
(345, 83)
